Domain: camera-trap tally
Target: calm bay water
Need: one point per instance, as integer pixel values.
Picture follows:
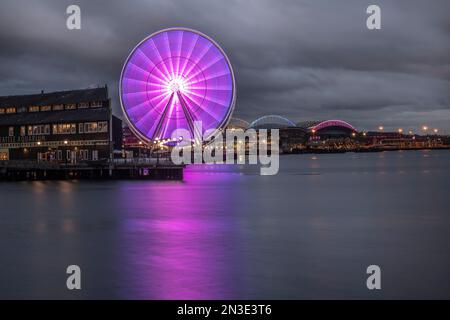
(228, 233)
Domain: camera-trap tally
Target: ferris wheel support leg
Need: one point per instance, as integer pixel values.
(189, 117)
(161, 120)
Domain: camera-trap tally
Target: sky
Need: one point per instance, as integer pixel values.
(302, 59)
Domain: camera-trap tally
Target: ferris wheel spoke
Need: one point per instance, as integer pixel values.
(192, 101)
(161, 59)
(170, 58)
(214, 76)
(190, 118)
(162, 118)
(152, 64)
(178, 56)
(219, 102)
(147, 111)
(201, 56)
(189, 55)
(205, 68)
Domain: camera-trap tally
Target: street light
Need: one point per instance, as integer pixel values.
(424, 128)
(435, 130)
(381, 128)
(400, 130)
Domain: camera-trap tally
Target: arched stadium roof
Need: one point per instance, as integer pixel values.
(272, 122)
(238, 123)
(318, 125)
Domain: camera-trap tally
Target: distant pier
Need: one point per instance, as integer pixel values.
(125, 169)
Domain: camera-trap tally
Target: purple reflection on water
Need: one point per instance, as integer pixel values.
(179, 238)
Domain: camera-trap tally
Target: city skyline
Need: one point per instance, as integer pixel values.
(286, 62)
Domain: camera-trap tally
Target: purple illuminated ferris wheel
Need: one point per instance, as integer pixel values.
(174, 78)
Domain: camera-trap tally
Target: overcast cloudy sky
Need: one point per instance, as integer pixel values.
(304, 59)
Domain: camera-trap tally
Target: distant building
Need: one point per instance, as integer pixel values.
(132, 146)
(65, 126)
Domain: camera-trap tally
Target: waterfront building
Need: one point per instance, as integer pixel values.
(65, 126)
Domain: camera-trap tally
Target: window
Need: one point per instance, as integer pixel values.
(64, 128)
(83, 105)
(33, 109)
(103, 126)
(96, 104)
(80, 128)
(58, 107)
(68, 155)
(59, 155)
(46, 108)
(71, 106)
(11, 110)
(90, 127)
(2, 111)
(11, 131)
(37, 130)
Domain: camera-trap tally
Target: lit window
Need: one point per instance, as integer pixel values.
(11, 131)
(46, 108)
(90, 127)
(58, 107)
(83, 105)
(22, 131)
(96, 104)
(103, 126)
(11, 110)
(71, 106)
(80, 128)
(33, 109)
(2, 111)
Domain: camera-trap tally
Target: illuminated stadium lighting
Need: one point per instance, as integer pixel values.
(381, 128)
(435, 130)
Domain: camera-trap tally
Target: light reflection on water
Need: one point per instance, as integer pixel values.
(180, 238)
(228, 233)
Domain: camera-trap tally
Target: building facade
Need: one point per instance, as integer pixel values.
(65, 126)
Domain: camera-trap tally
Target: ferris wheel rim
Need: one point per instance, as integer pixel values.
(230, 108)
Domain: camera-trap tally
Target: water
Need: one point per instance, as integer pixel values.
(229, 233)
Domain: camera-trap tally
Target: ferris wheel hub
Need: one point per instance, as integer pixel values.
(176, 85)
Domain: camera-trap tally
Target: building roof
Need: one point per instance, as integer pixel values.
(271, 122)
(318, 125)
(52, 98)
(47, 117)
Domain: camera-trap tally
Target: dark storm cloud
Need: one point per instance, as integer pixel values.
(305, 59)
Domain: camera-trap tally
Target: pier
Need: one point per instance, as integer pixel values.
(126, 169)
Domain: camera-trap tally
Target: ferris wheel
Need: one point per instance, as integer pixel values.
(174, 78)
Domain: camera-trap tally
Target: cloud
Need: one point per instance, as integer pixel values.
(306, 59)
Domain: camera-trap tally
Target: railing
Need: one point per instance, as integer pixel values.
(142, 161)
